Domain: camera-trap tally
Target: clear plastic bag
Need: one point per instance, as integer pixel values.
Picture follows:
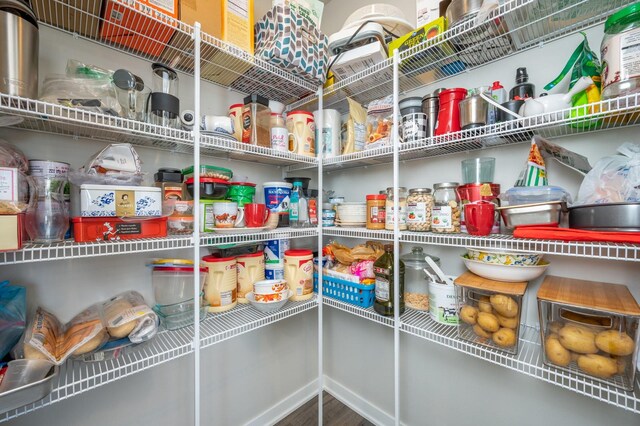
(614, 179)
(128, 315)
(380, 123)
(13, 315)
(10, 156)
(92, 94)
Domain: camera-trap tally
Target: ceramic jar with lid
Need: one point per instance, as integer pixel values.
(390, 209)
(419, 206)
(416, 285)
(445, 215)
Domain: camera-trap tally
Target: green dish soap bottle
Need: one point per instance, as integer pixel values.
(383, 269)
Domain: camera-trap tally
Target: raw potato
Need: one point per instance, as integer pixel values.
(557, 353)
(574, 356)
(92, 344)
(578, 339)
(505, 337)
(488, 322)
(554, 327)
(508, 322)
(469, 314)
(484, 304)
(480, 332)
(598, 365)
(112, 311)
(504, 305)
(615, 342)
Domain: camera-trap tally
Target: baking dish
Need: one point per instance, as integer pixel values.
(27, 394)
(533, 214)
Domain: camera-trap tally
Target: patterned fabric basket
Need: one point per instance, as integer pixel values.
(345, 291)
(291, 42)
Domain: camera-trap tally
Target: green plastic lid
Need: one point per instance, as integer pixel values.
(621, 14)
(204, 168)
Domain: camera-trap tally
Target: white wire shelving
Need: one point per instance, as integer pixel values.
(368, 313)
(362, 233)
(516, 25)
(154, 36)
(613, 113)
(212, 239)
(76, 377)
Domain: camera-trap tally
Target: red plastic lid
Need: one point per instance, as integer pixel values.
(376, 197)
(213, 259)
(178, 269)
(496, 85)
(258, 254)
(242, 183)
(208, 180)
(289, 114)
(298, 252)
(236, 106)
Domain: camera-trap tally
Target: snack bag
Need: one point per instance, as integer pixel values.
(535, 171)
(354, 131)
(379, 122)
(614, 179)
(128, 315)
(13, 312)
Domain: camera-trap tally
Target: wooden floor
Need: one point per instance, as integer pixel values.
(334, 413)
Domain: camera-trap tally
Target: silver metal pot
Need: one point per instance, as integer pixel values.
(459, 10)
(18, 49)
(473, 112)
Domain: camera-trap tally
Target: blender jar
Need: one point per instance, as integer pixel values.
(163, 104)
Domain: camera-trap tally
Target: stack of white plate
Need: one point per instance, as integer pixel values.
(351, 214)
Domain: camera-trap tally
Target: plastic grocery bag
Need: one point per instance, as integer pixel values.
(13, 315)
(614, 179)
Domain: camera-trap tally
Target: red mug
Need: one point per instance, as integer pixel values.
(256, 215)
(479, 217)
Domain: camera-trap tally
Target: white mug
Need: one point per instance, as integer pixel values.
(280, 138)
(217, 123)
(227, 215)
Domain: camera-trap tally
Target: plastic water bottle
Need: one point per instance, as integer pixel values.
(500, 96)
(298, 207)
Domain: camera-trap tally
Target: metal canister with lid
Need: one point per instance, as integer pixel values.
(445, 216)
(419, 206)
(431, 106)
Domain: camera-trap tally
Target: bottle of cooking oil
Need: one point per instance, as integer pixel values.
(383, 269)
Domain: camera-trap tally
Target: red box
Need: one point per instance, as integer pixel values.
(143, 25)
(11, 232)
(92, 229)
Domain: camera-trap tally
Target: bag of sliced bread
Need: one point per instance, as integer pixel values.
(355, 129)
(47, 338)
(128, 315)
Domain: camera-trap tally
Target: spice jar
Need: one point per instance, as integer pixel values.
(446, 208)
(376, 211)
(390, 207)
(256, 121)
(419, 205)
(416, 284)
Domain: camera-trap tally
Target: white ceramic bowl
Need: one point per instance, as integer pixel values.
(505, 273)
(268, 307)
(268, 287)
(504, 258)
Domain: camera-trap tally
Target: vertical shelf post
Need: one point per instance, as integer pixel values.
(320, 155)
(196, 225)
(396, 244)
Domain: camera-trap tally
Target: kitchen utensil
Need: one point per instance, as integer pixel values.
(19, 41)
(430, 106)
(27, 394)
(552, 103)
(533, 214)
(132, 94)
(210, 188)
(442, 302)
(472, 192)
(441, 275)
(227, 215)
(163, 105)
(174, 283)
(414, 121)
(478, 170)
(256, 215)
(460, 10)
(473, 112)
(449, 110)
(268, 307)
(523, 89)
(502, 258)
(479, 217)
(430, 275)
(505, 273)
(620, 217)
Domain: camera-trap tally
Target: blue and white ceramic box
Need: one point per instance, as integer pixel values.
(116, 201)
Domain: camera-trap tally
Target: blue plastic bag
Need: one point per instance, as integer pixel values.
(13, 315)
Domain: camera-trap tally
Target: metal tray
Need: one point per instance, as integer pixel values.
(533, 214)
(615, 217)
(27, 394)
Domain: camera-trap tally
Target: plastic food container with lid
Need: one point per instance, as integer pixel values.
(536, 194)
(416, 284)
(242, 192)
(173, 283)
(180, 225)
(221, 288)
(210, 188)
(298, 272)
(209, 172)
(419, 206)
(250, 270)
(446, 212)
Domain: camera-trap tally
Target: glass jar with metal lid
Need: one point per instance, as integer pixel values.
(416, 284)
(390, 207)
(419, 205)
(445, 215)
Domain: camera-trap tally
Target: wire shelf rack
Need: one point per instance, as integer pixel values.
(33, 252)
(367, 313)
(528, 361)
(363, 233)
(610, 114)
(149, 34)
(245, 318)
(514, 26)
(276, 234)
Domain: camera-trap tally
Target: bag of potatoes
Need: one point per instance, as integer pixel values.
(128, 315)
(46, 337)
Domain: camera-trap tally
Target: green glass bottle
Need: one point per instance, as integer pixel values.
(383, 269)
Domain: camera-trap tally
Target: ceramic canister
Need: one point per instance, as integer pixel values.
(250, 270)
(298, 272)
(220, 290)
(442, 303)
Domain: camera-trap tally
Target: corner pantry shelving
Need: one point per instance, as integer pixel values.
(77, 377)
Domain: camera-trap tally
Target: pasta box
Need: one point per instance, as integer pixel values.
(116, 201)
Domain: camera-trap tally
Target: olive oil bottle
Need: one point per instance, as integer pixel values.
(383, 269)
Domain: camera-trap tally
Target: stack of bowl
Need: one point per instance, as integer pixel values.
(351, 214)
(269, 295)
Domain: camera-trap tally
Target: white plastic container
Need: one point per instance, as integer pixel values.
(298, 272)
(174, 284)
(443, 303)
(221, 288)
(116, 201)
(329, 142)
(250, 270)
(274, 252)
(274, 272)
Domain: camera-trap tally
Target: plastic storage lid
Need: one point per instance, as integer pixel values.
(172, 262)
(242, 184)
(278, 184)
(168, 174)
(446, 185)
(536, 194)
(208, 180)
(420, 191)
(236, 106)
(412, 102)
(178, 269)
(415, 259)
(298, 252)
(257, 254)
(620, 15)
(214, 259)
(290, 113)
(180, 218)
(376, 197)
(205, 168)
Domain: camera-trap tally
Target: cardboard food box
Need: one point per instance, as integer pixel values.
(11, 226)
(76, 16)
(143, 25)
